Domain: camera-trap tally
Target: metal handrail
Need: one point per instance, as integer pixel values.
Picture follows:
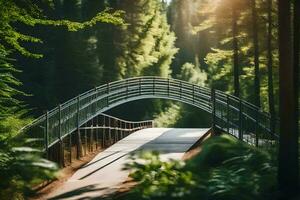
(230, 114)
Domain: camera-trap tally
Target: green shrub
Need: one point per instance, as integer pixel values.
(158, 179)
(226, 169)
(21, 167)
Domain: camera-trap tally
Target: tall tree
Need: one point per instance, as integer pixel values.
(70, 64)
(270, 66)
(256, 53)
(147, 43)
(288, 167)
(21, 168)
(235, 48)
(297, 60)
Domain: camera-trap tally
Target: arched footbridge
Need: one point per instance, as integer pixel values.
(85, 113)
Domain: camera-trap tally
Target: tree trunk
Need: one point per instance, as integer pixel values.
(270, 69)
(236, 72)
(256, 53)
(296, 61)
(288, 144)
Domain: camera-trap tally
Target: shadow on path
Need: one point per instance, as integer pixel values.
(169, 141)
(78, 192)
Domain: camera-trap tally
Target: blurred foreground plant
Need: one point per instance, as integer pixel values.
(21, 168)
(225, 169)
(157, 178)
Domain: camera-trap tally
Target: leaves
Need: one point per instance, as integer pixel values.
(158, 179)
(21, 168)
(225, 169)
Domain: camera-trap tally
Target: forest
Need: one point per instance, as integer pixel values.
(53, 50)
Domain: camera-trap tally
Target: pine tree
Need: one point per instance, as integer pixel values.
(255, 31)
(270, 66)
(147, 43)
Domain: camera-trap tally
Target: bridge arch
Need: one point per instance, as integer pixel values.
(230, 114)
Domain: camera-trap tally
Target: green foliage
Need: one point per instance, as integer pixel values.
(74, 62)
(181, 115)
(21, 168)
(224, 169)
(169, 117)
(147, 42)
(204, 32)
(157, 179)
(28, 13)
(11, 125)
(8, 83)
(193, 74)
(232, 169)
(14, 16)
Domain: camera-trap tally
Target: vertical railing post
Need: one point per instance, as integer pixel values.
(70, 147)
(104, 133)
(92, 136)
(118, 130)
(115, 130)
(240, 120)
(125, 128)
(127, 89)
(47, 134)
(256, 128)
(180, 89)
(79, 146)
(85, 138)
(109, 131)
(193, 94)
(61, 144)
(153, 86)
(97, 132)
(168, 87)
(107, 98)
(95, 100)
(213, 108)
(129, 126)
(227, 111)
(140, 86)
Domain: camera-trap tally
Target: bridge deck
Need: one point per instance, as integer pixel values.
(104, 173)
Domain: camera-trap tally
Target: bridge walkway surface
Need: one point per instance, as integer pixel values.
(104, 174)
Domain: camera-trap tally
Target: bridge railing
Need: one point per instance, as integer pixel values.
(244, 120)
(101, 131)
(230, 114)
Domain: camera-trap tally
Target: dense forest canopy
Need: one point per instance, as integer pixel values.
(229, 56)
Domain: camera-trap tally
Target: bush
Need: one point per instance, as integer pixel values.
(21, 167)
(225, 169)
